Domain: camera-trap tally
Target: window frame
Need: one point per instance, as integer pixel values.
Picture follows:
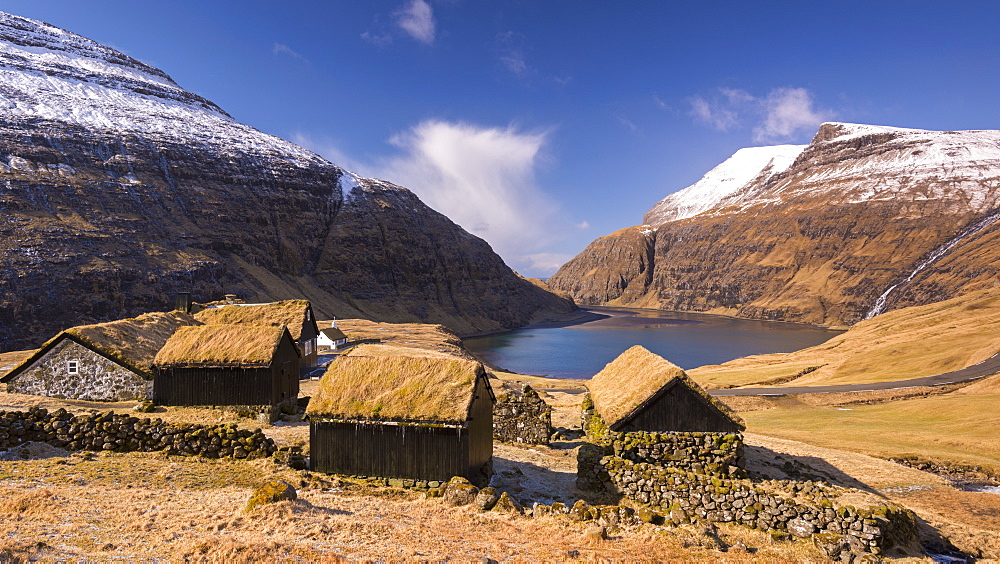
(72, 366)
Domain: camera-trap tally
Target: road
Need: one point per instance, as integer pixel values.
(988, 367)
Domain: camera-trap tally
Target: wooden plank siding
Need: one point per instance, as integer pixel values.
(231, 385)
(677, 408)
(415, 451)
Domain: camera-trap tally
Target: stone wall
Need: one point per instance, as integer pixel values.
(521, 416)
(124, 433)
(803, 509)
(98, 379)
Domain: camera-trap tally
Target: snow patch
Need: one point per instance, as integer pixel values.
(726, 179)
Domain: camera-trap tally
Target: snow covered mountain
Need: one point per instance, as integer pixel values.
(753, 164)
(119, 188)
(862, 220)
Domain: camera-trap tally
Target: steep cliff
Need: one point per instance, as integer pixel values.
(119, 188)
(865, 219)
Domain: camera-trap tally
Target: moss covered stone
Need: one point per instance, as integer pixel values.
(271, 492)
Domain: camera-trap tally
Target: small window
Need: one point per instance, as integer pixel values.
(73, 366)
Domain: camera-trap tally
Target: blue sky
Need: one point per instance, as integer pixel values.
(540, 126)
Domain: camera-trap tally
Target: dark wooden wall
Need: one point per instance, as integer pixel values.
(391, 451)
(218, 385)
(678, 409)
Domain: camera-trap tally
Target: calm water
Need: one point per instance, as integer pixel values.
(686, 339)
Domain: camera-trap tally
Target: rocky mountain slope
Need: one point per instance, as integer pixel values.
(118, 188)
(863, 220)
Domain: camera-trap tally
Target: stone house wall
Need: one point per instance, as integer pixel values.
(521, 416)
(703, 453)
(99, 378)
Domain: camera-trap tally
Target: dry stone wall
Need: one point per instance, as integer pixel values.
(521, 416)
(98, 378)
(124, 433)
(803, 509)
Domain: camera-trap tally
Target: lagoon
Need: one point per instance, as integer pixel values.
(579, 346)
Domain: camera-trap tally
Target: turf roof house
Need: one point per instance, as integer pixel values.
(398, 412)
(641, 391)
(297, 315)
(104, 362)
(249, 366)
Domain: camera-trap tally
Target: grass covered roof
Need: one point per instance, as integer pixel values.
(221, 345)
(133, 343)
(290, 313)
(380, 383)
(633, 378)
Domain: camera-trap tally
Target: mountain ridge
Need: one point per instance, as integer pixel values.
(859, 210)
(118, 188)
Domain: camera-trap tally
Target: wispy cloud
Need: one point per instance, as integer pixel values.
(583, 225)
(282, 49)
(780, 115)
(330, 150)
(788, 111)
(483, 178)
(509, 47)
(417, 20)
(547, 263)
(378, 39)
(623, 119)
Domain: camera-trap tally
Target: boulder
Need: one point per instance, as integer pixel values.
(271, 492)
(486, 498)
(459, 491)
(505, 504)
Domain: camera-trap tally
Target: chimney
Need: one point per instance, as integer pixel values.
(183, 302)
(230, 299)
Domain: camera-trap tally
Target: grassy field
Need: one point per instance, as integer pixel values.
(959, 427)
(907, 343)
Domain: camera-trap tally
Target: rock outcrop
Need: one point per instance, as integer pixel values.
(118, 188)
(865, 219)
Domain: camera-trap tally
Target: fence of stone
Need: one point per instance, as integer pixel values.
(521, 416)
(125, 433)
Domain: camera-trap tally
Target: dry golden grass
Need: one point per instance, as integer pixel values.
(9, 360)
(632, 378)
(906, 343)
(102, 509)
(422, 386)
(950, 428)
(221, 345)
(290, 313)
(416, 335)
(131, 342)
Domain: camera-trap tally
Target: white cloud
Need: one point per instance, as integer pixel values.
(713, 113)
(622, 119)
(583, 225)
(282, 49)
(789, 110)
(780, 115)
(547, 263)
(417, 20)
(482, 178)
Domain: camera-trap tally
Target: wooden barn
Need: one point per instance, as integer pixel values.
(641, 391)
(296, 315)
(104, 362)
(228, 365)
(398, 412)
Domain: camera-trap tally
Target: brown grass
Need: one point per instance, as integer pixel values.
(632, 378)
(290, 313)
(424, 386)
(950, 428)
(221, 345)
(416, 335)
(906, 343)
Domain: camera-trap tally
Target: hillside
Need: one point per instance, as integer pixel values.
(864, 220)
(119, 188)
(906, 343)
